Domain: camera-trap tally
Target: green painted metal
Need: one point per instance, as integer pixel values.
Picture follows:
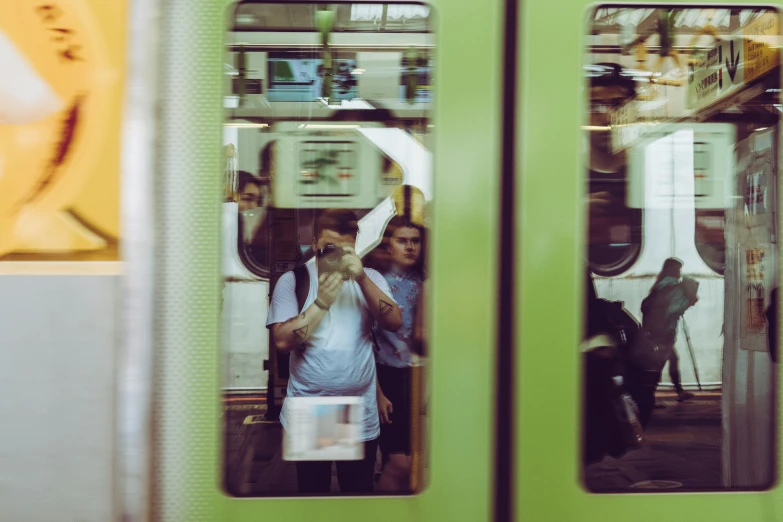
(551, 241)
(467, 148)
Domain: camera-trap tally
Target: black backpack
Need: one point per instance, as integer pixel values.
(605, 429)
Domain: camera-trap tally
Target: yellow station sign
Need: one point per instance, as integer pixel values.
(762, 38)
(60, 123)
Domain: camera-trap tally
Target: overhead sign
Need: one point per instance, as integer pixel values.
(683, 166)
(716, 73)
(624, 128)
(732, 63)
(297, 77)
(325, 166)
(629, 120)
(762, 37)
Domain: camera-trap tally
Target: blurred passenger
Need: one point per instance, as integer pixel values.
(330, 341)
(611, 425)
(772, 324)
(661, 313)
(400, 258)
(249, 191)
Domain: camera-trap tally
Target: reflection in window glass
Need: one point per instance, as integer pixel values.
(616, 233)
(328, 187)
(681, 306)
(398, 18)
(615, 230)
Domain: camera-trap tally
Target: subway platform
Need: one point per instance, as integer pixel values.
(682, 451)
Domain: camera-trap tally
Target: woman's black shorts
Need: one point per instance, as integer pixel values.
(396, 386)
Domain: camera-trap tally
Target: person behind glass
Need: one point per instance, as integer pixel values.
(400, 259)
(249, 190)
(772, 324)
(330, 342)
(661, 312)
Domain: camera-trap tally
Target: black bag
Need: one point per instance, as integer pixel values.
(640, 360)
(612, 420)
(648, 355)
(618, 322)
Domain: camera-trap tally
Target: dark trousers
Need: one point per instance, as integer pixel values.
(354, 476)
(674, 370)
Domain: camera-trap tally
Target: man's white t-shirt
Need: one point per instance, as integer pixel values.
(337, 360)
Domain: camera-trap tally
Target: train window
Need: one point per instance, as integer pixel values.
(681, 303)
(327, 188)
(397, 18)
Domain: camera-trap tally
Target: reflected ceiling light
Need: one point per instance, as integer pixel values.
(596, 128)
(327, 126)
(357, 71)
(356, 103)
(374, 12)
(246, 125)
(761, 129)
(246, 19)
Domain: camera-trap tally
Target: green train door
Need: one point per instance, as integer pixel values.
(215, 47)
(648, 146)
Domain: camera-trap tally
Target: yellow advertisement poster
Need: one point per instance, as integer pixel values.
(60, 123)
(762, 41)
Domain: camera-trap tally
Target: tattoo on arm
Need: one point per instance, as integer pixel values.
(301, 334)
(385, 308)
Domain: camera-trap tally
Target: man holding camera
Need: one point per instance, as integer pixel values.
(330, 341)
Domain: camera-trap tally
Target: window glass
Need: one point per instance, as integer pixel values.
(328, 183)
(615, 234)
(680, 337)
(399, 18)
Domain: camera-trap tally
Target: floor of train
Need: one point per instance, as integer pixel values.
(253, 452)
(682, 450)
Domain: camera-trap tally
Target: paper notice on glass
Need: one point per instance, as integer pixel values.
(322, 428)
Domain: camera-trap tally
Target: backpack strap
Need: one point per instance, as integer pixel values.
(302, 276)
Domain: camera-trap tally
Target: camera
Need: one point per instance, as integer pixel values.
(330, 259)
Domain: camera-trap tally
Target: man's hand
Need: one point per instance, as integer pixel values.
(329, 286)
(353, 264)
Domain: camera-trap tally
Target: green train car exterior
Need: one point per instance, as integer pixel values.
(464, 253)
(480, 102)
(507, 251)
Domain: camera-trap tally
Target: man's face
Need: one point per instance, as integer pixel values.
(338, 240)
(250, 197)
(605, 100)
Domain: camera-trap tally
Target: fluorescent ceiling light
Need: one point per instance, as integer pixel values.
(247, 125)
(326, 126)
(356, 103)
